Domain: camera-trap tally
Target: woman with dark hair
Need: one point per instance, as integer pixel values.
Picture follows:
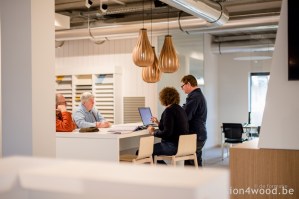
(173, 123)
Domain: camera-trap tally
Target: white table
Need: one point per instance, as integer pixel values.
(103, 145)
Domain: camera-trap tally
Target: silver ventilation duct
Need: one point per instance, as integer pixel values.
(243, 46)
(213, 13)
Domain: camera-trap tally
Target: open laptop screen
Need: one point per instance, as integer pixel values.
(146, 115)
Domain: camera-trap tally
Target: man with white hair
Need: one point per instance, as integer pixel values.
(87, 116)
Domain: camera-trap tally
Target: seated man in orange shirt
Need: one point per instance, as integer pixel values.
(64, 122)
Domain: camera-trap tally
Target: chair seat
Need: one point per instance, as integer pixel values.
(145, 151)
(186, 151)
(127, 157)
(235, 140)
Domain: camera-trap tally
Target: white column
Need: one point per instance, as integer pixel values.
(279, 128)
(28, 83)
(0, 94)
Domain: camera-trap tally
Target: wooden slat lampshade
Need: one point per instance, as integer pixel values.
(143, 55)
(168, 60)
(152, 73)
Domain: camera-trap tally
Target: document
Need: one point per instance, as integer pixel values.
(122, 129)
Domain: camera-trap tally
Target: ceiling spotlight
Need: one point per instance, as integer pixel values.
(88, 3)
(103, 6)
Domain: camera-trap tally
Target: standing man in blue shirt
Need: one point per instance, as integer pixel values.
(87, 116)
(196, 109)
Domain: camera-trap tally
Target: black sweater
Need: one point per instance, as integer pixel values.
(196, 109)
(173, 123)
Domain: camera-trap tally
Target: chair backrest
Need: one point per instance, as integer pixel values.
(187, 145)
(232, 130)
(146, 147)
(258, 130)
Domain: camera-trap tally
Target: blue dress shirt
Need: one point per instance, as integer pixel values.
(84, 118)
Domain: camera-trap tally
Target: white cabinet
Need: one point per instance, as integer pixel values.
(103, 86)
(104, 95)
(82, 83)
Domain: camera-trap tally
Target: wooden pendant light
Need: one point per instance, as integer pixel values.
(168, 60)
(152, 73)
(143, 55)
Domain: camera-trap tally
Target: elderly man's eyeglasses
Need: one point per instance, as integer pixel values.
(184, 85)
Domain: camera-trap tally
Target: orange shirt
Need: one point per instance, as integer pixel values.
(64, 122)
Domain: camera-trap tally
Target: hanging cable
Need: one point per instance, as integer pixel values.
(168, 19)
(92, 38)
(143, 13)
(179, 21)
(220, 14)
(151, 23)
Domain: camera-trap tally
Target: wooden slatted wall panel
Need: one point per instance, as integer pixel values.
(131, 104)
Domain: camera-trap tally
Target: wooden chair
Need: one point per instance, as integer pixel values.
(146, 147)
(186, 151)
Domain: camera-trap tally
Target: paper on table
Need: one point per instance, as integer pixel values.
(120, 132)
(121, 129)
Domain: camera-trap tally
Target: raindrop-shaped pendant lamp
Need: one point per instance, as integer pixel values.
(143, 54)
(152, 73)
(168, 60)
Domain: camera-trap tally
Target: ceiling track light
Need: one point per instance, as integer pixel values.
(88, 3)
(103, 6)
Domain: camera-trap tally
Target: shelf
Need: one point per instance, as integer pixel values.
(64, 87)
(104, 95)
(101, 85)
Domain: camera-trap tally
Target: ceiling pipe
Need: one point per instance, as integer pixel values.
(244, 46)
(192, 25)
(244, 37)
(213, 13)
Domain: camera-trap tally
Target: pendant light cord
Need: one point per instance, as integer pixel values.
(152, 23)
(143, 13)
(168, 20)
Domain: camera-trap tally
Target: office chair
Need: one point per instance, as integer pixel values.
(186, 151)
(145, 152)
(232, 135)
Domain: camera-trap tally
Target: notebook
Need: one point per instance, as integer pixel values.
(146, 115)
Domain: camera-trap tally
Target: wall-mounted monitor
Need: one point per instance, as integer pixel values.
(293, 41)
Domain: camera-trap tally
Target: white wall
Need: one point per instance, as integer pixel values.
(280, 122)
(27, 85)
(211, 93)
(233, 86)
(0, 97)
(85, 57)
